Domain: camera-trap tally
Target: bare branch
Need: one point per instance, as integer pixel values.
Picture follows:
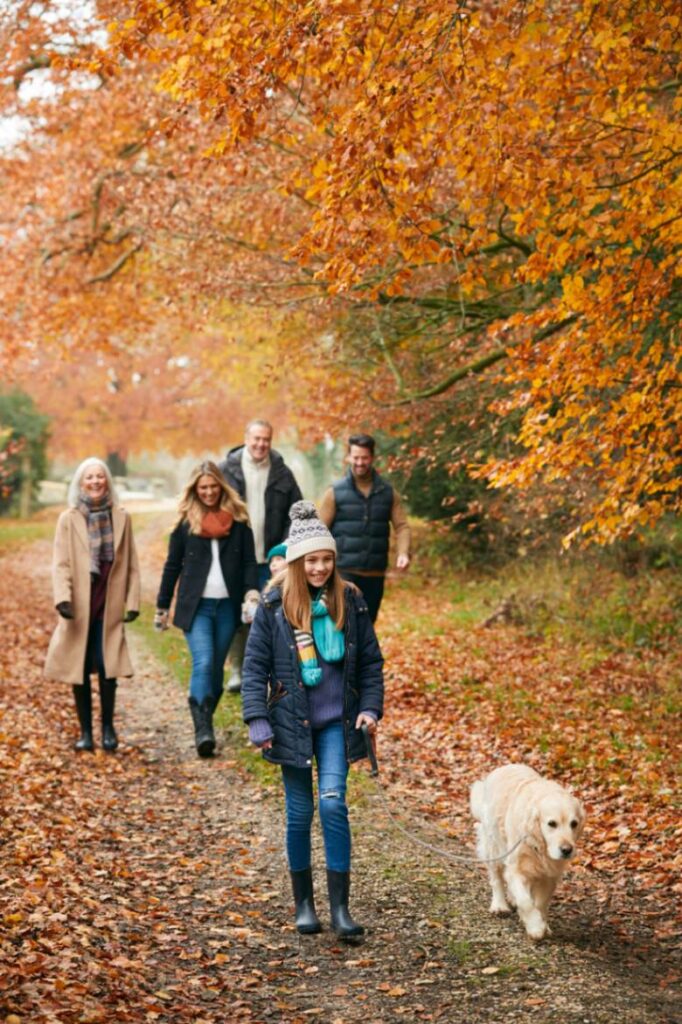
(481, 364)
(106, 275)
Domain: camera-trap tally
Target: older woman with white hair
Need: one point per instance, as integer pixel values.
(96, 586)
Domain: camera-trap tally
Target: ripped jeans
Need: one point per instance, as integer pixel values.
(332, 771)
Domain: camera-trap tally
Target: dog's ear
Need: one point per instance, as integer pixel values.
(531, 824)
(580, 814)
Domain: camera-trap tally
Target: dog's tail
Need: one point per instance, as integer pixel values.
(476, 800)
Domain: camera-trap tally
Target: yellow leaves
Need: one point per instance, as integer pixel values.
(573, 288)
(604, 41)
(562, 254)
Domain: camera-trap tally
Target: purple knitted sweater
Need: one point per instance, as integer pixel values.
(325, 702)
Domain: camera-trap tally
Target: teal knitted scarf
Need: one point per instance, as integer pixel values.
(325, 638)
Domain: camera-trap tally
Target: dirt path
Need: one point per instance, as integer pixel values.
(151, 886)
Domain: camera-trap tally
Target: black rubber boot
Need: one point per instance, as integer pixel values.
(83, 696)
(202, 716)
(107, 698)
(307, 921)
(338, 883)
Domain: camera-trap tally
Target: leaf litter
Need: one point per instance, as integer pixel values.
(151, 886)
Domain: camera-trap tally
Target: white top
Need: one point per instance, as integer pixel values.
(215, 582)
(256, 480)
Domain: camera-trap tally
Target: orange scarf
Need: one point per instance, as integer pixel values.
(216, 524)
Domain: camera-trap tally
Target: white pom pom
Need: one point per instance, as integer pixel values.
(302, 510)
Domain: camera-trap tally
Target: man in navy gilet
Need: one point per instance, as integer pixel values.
(359, 510)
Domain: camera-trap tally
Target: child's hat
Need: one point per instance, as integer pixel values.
(308, 532)
(278, 549)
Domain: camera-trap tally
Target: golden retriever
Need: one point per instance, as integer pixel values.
(514, 805)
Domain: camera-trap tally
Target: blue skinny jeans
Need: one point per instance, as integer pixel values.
(209, 640)
(332, 771)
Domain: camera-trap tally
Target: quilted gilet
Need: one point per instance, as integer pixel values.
(361, 524)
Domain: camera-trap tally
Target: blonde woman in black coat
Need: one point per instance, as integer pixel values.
(211, 559)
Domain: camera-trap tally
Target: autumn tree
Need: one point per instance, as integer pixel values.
(24, 433)
(450, 190)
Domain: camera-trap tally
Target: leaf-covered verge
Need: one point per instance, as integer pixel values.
(150, 886)
(15, 532)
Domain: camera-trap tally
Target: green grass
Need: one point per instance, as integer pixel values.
(460, 950)
(576, 597)
(16, 533)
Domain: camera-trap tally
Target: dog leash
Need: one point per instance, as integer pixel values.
(459, 858)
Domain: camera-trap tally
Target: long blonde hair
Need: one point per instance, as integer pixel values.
(296, 601)
(192, 509)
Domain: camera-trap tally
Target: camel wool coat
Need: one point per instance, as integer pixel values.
(71, 582)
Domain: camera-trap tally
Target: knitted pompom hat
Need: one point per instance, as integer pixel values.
(278, 550)
(308, 533)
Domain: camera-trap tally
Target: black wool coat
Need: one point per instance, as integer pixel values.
(189, 559)
(281, 491)
(272, 687)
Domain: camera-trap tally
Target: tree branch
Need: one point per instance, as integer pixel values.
(107, 275)
(33, 63)
(482, 364)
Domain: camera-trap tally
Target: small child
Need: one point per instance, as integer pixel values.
(277, 559)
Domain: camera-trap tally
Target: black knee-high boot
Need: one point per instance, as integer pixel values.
(307, 921)
(202, 716)
(107, 697)
(83, 698)
(338, 883)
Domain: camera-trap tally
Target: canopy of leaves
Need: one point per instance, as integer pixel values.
(471, 183)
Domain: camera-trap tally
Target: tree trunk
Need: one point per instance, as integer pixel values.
(25, 487)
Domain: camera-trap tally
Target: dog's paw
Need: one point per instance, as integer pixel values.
(500, 909)
(536, 927)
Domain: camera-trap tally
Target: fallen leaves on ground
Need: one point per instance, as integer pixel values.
(132, 888)
(461, 701)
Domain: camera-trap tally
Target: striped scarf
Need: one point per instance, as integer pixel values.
(325, 637)
(100, 530)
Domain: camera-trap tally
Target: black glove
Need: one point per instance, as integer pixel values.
(130, 616)
(65, 609)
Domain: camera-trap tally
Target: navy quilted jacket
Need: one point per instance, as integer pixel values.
(272, 686)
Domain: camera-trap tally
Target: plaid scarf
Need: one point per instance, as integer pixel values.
(325, 637)
(100, 530)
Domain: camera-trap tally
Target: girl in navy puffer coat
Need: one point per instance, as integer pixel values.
(312, 677)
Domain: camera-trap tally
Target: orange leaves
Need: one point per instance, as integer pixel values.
(514, 166)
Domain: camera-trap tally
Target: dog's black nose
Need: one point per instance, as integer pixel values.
(566, 850)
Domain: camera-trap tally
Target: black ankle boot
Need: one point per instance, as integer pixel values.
(107, 697)
(83, 697)
(307, 921)
(338, 884)
(202, 716)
